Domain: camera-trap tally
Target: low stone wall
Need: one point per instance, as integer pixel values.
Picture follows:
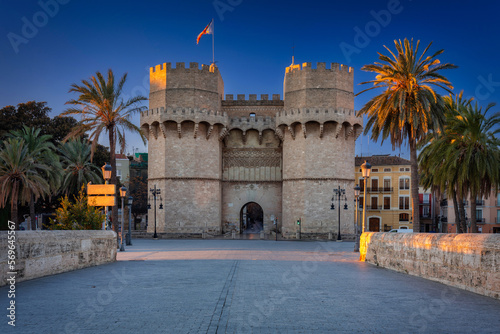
(42, 253)
(466, 261)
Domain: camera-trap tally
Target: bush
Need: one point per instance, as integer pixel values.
(78, 215)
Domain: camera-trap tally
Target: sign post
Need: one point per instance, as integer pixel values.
(100, 198)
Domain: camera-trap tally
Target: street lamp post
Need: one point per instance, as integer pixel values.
(155, 191)
(129, 235)
(106, 174)
(339, 194)
(123, 193)
(365, 171)
(356, 222)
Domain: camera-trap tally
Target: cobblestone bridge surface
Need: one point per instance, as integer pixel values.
(244, 286)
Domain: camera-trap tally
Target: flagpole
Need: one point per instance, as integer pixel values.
(213, 44)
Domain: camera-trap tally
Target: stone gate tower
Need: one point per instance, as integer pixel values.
(215, 158)
(319, 127)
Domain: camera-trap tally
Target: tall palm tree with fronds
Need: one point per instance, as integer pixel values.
(408, 108)
(437, 167)
(78, 170)
(20, 176)
(476, 151)
(42, 151)
(103, 110)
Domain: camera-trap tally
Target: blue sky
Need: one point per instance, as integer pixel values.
(253, 44)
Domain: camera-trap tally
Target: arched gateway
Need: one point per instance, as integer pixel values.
(251, 218)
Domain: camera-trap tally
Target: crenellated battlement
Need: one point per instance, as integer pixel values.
(258, 123)
(186, 86)
(181, 67)
(181, 111)
(252, 97)
(320, 66)
(320, 87)
(252, 101)
(319, 115)
(318, 111)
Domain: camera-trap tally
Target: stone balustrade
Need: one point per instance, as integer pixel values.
(467, 261)
(43, 253)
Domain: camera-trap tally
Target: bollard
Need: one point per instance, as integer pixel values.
(262, 235)
(298, 236)
(233, 234)
(330, 235)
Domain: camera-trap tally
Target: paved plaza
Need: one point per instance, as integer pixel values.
(244, 286)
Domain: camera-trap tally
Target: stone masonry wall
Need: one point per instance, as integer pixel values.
(466, 261)
(43, 253)
(235, 195)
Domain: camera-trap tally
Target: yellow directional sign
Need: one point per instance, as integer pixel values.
(101, 200)
(101, 189)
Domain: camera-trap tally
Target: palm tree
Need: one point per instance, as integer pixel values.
(476, 152)
(408, 108)
(20, 177)
(42, 151)
(437, 168)
(103, 110)
(78, 170)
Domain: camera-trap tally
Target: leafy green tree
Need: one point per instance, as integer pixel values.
(102, 109)
(408, 108)
(78, 215)
(78, 170)
(20, 176)
(59, 127)
(32, 114)
(101, 156)
(7, 119)
(139, 192)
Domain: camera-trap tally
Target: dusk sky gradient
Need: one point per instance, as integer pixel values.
(253, 44)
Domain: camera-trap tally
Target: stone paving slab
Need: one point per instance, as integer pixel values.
(244, 286)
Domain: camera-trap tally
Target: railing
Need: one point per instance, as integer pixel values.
(444, 202)
(444, 219)
(479, 202)
(380, 189)
(425, 216)
(374, 207)
(480, 220)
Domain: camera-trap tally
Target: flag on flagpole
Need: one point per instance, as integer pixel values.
(209, 29)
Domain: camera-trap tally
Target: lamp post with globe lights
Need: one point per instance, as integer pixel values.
(129, 235)
(356, 220)
(106, 174)
(366, 168)
(123, 193)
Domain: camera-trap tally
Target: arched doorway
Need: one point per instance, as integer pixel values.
(251, 218)
(374, 224)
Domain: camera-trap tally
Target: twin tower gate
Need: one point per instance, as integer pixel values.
(226, 164)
